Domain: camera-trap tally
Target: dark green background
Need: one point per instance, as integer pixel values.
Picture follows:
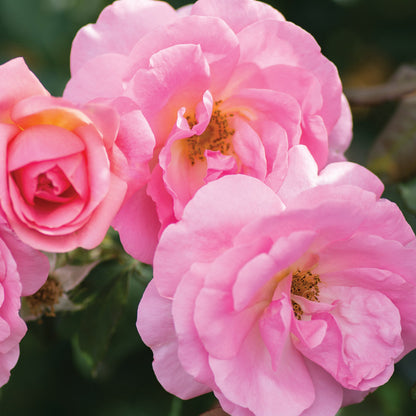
(366, 39)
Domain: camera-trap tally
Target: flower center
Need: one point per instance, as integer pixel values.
(44, 300)
(53, 186)
(44, 183)
(304, 284)
(216, 137)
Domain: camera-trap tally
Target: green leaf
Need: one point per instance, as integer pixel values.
(126, 339)
(408, 193)
(99, 278)
(413, 392)
(99, 321)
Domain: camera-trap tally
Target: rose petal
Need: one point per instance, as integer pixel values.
(118, 28)
(16, 83)
(236, 13)
(166, 364)
(42, 142)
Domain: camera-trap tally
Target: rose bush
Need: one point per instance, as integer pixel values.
(62, 176)
(22, 272)
(295, 303)
(227, 87)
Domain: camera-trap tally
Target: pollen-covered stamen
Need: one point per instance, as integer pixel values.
(44, 300)
(304, 284)
(216, 137)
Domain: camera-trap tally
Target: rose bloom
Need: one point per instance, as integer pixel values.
(22, 272)
(62, 176)
(291, 304)
(227, 87)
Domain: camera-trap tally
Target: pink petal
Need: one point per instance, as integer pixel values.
(177, 77)
(341, 135)
(258, 105)
(236, 13)
(347, 173)
(335, 202)
(315, 138)
(135, 136)
(204, 31)
(359, 350)
(7, 132)
(155, 312)
(181, 178)
(302, 173)
(297, 82)
(249, 380)
(118, 28)
(32, 266)
(310, 332)
(88, 234)
(395, 287)
(42, 142)
(92, 234)
(106, 121)
(4, 329)
(387, 221)
(367, 251)
(215, 317)
(249, 149)
(283, 252)
(269, 43)
(17, 82)
(100, 77)
(328, 393)
(40, 110)
(275, 328)
(75, 170)
(210, 221)
(45, 215)
(230, 407)
(219, 165)
(158, 192)
(7, 361)
(138, 225)
(189, 343)
(354, 396)
(98, 166)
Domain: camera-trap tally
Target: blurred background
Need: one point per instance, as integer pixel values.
(368, 40)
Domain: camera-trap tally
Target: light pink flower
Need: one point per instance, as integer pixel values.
(227, 87)
(62, 176)
(293, 304)
(22, 272)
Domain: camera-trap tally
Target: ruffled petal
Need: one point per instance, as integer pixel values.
(155, 312)
(118, 28)
(236, 13)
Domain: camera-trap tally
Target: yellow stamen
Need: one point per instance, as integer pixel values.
(44, 300)
(216, 137)
(304, 284)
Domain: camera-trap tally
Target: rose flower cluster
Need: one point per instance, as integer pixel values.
(212, 138)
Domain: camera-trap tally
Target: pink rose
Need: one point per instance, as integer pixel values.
(22, 272)
(227, 87)
(291, 304)
(62, 176)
